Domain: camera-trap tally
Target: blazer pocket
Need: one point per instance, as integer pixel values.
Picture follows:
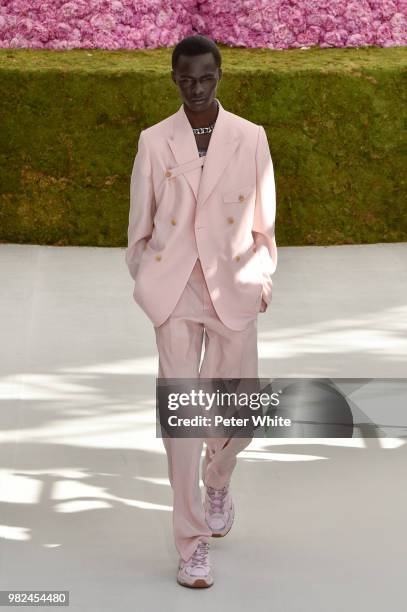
(240, 195)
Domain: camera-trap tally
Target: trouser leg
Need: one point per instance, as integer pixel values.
(228, 354)
(179, 343)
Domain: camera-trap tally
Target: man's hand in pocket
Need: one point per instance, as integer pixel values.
(263, 306)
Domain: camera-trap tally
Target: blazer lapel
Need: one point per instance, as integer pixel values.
(223, 142)
(183, 145)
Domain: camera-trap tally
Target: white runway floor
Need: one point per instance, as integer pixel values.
(85, 503)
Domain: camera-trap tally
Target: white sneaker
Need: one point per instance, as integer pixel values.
(196, 572)
(219, 510)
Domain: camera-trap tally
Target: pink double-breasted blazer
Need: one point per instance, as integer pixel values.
(223, 213)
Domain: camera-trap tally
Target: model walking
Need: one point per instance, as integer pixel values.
(202, 251)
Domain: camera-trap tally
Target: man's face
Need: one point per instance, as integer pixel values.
(197, 78)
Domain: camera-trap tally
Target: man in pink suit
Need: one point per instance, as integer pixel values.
(202, 251)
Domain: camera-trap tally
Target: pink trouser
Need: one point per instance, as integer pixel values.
(228, 354)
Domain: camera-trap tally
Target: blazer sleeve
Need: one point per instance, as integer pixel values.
(265, 213)
(142, 207)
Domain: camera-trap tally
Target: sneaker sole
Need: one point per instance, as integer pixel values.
(199, 583)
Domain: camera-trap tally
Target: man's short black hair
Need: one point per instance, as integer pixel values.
(196, 45)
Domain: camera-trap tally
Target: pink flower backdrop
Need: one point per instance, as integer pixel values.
(146, 24)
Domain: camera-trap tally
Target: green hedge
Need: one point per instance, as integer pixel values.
(70, 122)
